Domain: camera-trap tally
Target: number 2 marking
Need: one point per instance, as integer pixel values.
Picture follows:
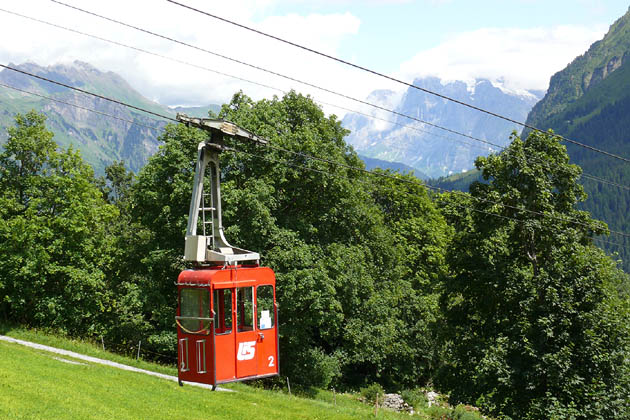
(270, 358)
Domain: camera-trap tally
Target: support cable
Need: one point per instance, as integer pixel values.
(304, 155)
(88, 92)
(396, 80)
(604, 181)
(534, 212)
(135, 107)
(259, 68)
(310, 84)
(80, 107)
(355, 168)
(246, 80)
(609, 242)
(131, 47)
(311, 169)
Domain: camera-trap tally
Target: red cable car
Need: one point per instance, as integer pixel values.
(227, 315)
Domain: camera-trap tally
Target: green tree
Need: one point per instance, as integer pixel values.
(154, 247)
(338, 269)
(54, 233)
(421, 236)
(118, 182)
(538, 329)
(317, 224)
(126, 321)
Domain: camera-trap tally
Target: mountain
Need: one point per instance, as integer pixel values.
(100, 138)
(197, 111)
(585, 74)
(371, 163)
(456, 182)
(432, 151)
(589, 101)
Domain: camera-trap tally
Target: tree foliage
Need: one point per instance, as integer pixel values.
(533, 332)
(356, 300)
(498, 296)
(348, 308)
(54, 237)
(153, 248)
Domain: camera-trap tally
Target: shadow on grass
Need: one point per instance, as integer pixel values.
(305, 392)
(279, 383)
(6, 327)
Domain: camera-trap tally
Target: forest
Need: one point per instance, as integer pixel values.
(498, 297)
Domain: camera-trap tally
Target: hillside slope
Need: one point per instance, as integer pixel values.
(66, 388)
(101, 139)
(371, 163)
(584, 73)
(589, 101)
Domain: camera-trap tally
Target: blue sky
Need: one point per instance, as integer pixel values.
(393, 31)
(518, 43)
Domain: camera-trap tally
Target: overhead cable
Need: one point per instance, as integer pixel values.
(88, 93)
(604, 181)
(259, 68)
(120, 44)
(305, 83)
(325, 160)
(534, 212)
(79, 107)
(609, 242)
(394, 79)
(304, 155)
(246, 80)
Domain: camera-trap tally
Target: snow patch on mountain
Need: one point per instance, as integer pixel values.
(418, 143)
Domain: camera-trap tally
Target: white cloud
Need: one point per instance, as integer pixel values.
(348, 2)
(173, 83)
(320, 32)
(524, 58)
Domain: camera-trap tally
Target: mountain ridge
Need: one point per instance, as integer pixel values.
(101, 139)
(430, 150)
(371, 163)
(586, 71)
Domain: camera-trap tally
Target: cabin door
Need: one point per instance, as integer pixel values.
(266, 312)
(194, 336)
(224, 335)
(246, 336)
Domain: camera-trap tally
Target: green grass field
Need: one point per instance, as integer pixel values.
(35, 385)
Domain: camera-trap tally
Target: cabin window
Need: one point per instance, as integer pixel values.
(245, 308)
(265, 307)
(222, 311)
(195, 310)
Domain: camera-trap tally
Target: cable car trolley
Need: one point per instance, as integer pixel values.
(227, 313)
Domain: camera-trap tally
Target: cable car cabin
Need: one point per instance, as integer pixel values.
(227, 324)
(227, 317)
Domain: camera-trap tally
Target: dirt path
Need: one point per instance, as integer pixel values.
(91, 359)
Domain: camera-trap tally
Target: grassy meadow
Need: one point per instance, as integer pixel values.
(36, 384)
